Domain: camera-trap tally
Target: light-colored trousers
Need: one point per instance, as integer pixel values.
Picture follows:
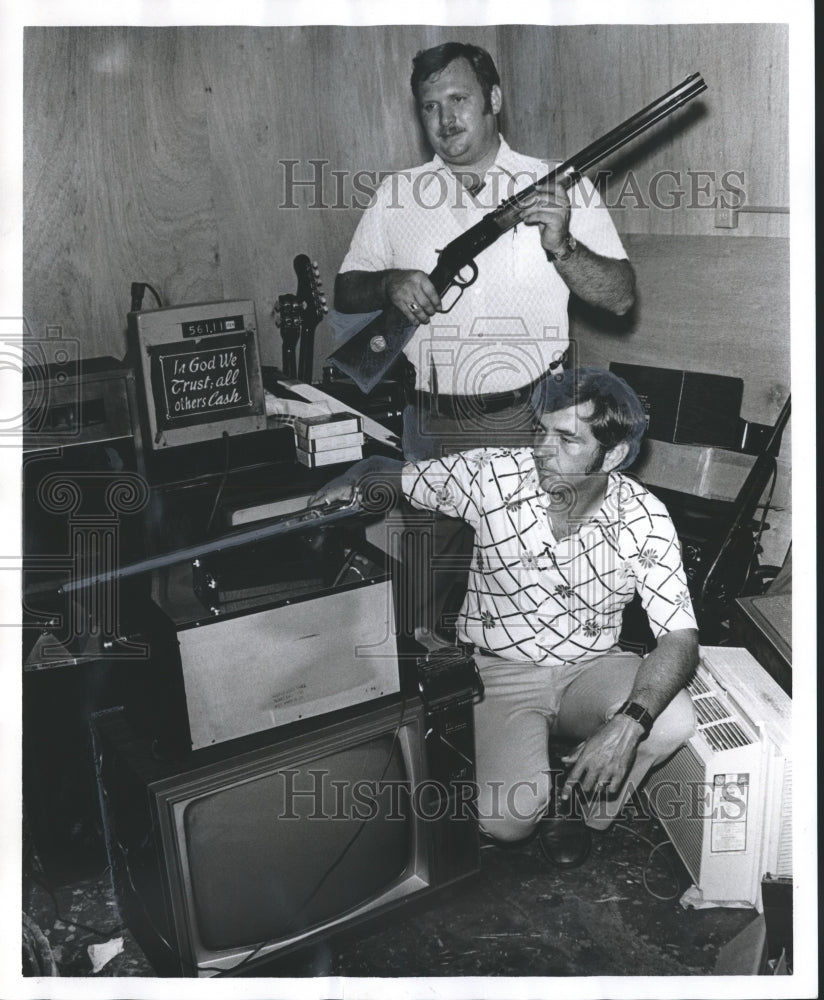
(525, 706)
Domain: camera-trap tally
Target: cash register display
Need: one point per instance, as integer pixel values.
(199, 369)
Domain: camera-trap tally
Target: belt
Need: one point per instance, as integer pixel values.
(457, 405)
(453, 406)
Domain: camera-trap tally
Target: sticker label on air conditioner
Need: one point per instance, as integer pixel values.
(730, 799)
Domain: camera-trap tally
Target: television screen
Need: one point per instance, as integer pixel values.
(234, 857)
(290, 849)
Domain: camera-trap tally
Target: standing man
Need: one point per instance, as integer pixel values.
(472, 368)
(563, 541)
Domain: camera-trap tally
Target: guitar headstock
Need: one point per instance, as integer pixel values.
(310, 291)
(298, 315)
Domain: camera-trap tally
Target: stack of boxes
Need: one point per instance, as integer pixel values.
(329, 439)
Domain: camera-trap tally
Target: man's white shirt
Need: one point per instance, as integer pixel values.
(511, 324)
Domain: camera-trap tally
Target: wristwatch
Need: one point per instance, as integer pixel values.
(568, 249)
(639, 714)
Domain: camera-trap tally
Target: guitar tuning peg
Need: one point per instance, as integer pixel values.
(323, 300)
(315, 265)
(325, 308)
(277, 322)
(277, 307)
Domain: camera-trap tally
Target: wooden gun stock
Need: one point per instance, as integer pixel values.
(370, 353)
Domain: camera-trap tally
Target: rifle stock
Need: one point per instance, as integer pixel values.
(370, 353)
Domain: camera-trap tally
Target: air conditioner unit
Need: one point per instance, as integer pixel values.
(725, 798)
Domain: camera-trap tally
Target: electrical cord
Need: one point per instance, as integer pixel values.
(38, 957)
(222, 484)
(58, 915)
(655, 847)
(33, 873)
(138, 290)
(126, 866)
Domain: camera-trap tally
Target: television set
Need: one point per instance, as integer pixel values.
(227, 860)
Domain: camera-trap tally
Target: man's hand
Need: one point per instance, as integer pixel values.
(413, 293)
(338, 490)
(549, 209)
(375, 480)
(367, 291)
(603, 761)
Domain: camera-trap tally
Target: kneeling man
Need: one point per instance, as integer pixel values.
(563, 541)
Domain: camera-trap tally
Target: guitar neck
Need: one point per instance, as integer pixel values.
(307, 354)
(290, 365)
(299, 316)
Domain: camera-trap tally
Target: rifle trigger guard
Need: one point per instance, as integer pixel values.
(465, 284)
(456, 282)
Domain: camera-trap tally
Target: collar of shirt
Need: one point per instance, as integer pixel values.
(510, 172)
(607, 517)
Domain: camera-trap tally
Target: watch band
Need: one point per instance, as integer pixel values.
(639, 714)
(569, 248)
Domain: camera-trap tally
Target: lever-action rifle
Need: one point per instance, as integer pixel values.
(370, 353)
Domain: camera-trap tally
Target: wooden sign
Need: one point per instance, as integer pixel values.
(200, 372)
(195, 384)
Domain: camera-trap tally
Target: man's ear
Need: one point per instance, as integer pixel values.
(615, 456)
(495, 99)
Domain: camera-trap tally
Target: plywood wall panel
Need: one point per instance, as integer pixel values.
(117, 185)
(705, 305)
(567, 85)
(158, 154)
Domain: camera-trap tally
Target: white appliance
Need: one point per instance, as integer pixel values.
(725, 798)
(248, 673)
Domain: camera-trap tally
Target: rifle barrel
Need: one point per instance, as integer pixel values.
(312, 517)
(638, 123)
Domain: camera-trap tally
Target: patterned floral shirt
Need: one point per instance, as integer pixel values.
(534, 597)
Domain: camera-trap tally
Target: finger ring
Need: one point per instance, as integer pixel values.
(413, 306)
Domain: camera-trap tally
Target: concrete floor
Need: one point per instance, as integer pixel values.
(618, 915)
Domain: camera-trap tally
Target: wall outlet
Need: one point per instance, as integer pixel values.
(726, 218)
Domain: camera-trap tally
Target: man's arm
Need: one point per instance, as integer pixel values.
(365, 291)
(606, 282)
(601, 281)
(605, 758)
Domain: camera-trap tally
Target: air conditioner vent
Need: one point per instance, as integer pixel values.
(698, 686)
(721, 729)
(709, 709)
(725, 735)
(742, 740)
(784, 866)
